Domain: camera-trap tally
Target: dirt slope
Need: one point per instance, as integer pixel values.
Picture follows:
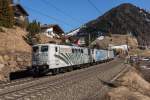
(12, 40)
(130, 87)
(44, 39)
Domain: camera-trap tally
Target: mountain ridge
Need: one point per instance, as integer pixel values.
(123, 19)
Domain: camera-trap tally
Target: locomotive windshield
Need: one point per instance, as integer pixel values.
(35, 49)
(44, 49)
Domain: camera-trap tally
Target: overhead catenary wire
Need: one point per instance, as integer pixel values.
(61, 11)
(94, 6)
(48, 16)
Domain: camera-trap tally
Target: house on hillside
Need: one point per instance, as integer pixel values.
(52, 30)
(81, 41)
(123, 47)
(120, 49)
(20, 14)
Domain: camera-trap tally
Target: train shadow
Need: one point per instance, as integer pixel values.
(20, 74)
(25, 74)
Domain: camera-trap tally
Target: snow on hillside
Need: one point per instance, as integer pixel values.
(74, 32)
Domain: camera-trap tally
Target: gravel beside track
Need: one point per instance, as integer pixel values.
(15, 82)
(81, 84)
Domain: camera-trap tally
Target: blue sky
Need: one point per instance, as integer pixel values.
(70, 14)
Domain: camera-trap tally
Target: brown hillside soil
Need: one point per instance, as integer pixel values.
(12, 40)
(131, 86)
(44, 39)
(123, 93)
(15, 53)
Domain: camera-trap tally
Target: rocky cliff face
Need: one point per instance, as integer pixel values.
(15, 53)
(123, 19)
(11, 62)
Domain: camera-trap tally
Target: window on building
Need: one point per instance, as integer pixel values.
(49, 33)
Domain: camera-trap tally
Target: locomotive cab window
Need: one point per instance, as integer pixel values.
(35, 49)
(44, 49)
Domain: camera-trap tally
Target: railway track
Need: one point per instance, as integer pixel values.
(19, 81)
(32, 89)
(14, 82)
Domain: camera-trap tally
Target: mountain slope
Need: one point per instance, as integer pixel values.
(123, 19)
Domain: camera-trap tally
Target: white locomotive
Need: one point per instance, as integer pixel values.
(56, 58)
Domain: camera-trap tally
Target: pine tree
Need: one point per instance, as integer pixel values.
(1, 13)
(33, 28)
(6, 14)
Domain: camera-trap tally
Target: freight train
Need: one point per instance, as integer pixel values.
(58, 58)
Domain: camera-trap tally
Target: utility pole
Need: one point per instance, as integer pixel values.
(89, 38)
